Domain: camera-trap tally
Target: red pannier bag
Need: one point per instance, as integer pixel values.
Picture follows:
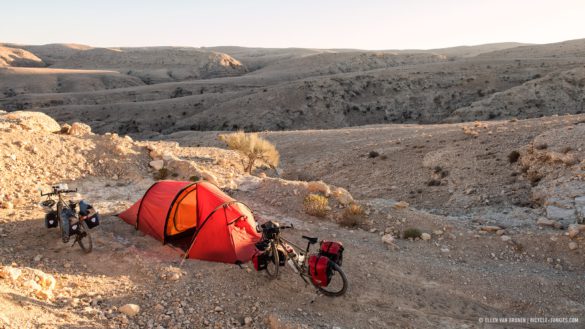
(260, 260)
(333, 250)
(319, 270)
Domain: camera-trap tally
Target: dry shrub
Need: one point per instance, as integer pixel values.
(353, 215)
(541, 146)
(253, 147)
(513, 156)
(434, 182)
(162, 173)
(412, 233)
(316, 205)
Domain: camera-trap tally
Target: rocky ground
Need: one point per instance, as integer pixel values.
(526, 261)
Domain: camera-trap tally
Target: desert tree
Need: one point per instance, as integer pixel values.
(253, 147)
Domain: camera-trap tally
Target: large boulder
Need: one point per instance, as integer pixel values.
(32, 121)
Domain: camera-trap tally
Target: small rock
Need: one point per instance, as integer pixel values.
(546, 222)
(320, 187)
(32, 285)
(65, 128)
(438, 232)
(445, 249)
(572, 245)
(425, 236)
(575, 229)
(38, 258)
(501, 232)
(46, 281)
(505, 238)
(44, 294)
(7, 205)
(79, 129)
(488, 228)
(388, 239)
(247, 321)
(9, 272)
(157, 164)
(401, 205)
(342, 196)
(130, 309)
(218, 309)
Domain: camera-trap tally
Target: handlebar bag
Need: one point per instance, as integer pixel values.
(333, 250)
(260, 260)
(320, 270)
(51, 220)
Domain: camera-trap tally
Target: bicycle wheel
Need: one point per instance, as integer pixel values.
(84, 238)
(273, 263)
(337, 285)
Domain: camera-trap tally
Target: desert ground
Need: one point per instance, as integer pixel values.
(480, 148)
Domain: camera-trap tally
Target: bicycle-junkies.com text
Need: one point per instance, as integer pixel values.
(533, 320)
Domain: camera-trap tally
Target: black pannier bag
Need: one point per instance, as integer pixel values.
(88, 214)
(74, 228)
(281, 256)
(260, 260)
(51, 220)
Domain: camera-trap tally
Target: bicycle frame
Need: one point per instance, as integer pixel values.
(300, 266)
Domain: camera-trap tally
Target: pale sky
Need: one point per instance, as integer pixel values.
(365, 24)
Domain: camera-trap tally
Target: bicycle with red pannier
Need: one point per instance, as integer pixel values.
(322, 269)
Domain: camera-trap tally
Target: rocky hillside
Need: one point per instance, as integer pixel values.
(300, 88)
(331, 63)
(555, 93)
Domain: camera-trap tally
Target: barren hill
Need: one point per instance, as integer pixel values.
(156, 64)
(18, 57)
(565, 49)
(331, 63)
(52, 53)
(296, 88)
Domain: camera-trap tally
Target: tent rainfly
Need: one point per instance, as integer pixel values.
(216, 227)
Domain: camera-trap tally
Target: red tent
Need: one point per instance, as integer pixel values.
(215, 226)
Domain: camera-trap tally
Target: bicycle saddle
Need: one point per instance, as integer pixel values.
(311, 240)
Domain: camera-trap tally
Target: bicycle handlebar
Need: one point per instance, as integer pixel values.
(58, 192)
